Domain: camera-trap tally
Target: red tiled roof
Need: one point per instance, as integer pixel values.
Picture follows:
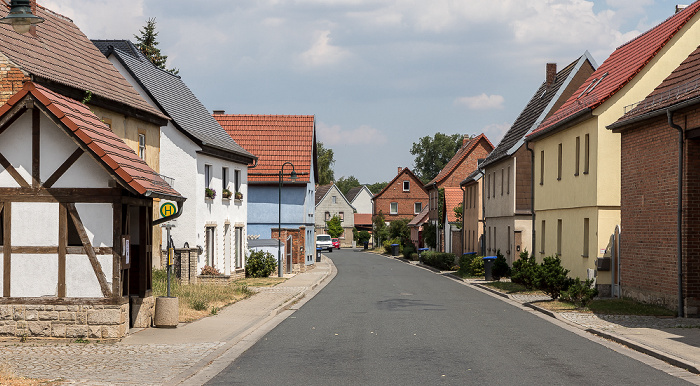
(421, 218)
(621, 67)
(461, 154)
(453, 197)
(363, 219)
(119, 159)
(274, 139)
(61, 53)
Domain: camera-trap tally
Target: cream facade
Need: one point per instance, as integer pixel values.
(577, 169)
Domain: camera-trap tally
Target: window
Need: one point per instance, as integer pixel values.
(508, 181)
(502, 172)
(586, 154)
(542, 237)
(495, 242)
(406, 186)
(417, 207)
(394, 208)
(578, 155)
(237, 179)
(239, 247)
(559, 231)
(493, 181)
(508, 246)
(542, 167)
(488, 186)
(210, 231)
(586, 231)
(342, 216)
(489, 239)
(224, 178)
(328, 216)
(207, 175)
(227, 248)
(142, 146)
(559, 164)
(334, 199)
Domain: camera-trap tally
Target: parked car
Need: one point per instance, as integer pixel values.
(324, 242)
(336, 243)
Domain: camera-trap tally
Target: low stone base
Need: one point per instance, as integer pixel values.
(64, 321)
(142, 311)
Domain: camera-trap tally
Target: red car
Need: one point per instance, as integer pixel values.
(336, 243)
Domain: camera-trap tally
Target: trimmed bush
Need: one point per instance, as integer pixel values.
(552, 277)
(439, 260)
(579, 292)
(408, 250)
(500, 267)
(260, 264)
(466, 264)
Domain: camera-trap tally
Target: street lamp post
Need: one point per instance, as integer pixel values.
(21, 17)
(293, 177)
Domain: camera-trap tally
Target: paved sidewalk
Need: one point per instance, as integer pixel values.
(673, 340)
(190, 354)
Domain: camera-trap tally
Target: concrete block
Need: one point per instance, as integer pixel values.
(76, 331)
(48, 315)
(113, 332)
(42, 329)
(104, 317)
(61, 308)
(19, 313)
(58, 330)
(31, 314)
(66, 316)
(6, 312)
(95, 332)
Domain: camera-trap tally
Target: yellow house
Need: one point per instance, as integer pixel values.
(577, 160)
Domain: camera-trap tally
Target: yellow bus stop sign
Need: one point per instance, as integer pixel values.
(167, 209)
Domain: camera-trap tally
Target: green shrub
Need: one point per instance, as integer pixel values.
(260, 264)
(363, 237)
(208, 270)
(477, 266)
(465, 265)
(500, 267)
(387, 245)
(408, 250)
(552, 277)
(439, 260)
(579, 292)
(199, 304)
(525, 271)
(414, 256)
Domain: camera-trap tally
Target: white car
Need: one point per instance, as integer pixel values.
(324, 242)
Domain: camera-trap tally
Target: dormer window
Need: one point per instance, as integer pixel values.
(406, 186)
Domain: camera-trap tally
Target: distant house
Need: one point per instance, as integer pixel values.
(416, 228)
(403, 198)
(508, 169)
(452, 225)
(75, 221)
(577, 161)
(649, 135)
(280, 141)
(360, 198)
(462, 164)
(199, 155)
(472, 203)
(331, 202)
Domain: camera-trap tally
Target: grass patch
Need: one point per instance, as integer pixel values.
(198, 300)
(559, 306)
(627, 307)
(509, 287)
(261, 281)
(8, 377)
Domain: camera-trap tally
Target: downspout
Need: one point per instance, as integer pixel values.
(483, 214)
(463, 222)
(679, 221)
(532, 194)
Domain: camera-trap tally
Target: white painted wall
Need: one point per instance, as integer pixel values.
(363, 202)
(34, 224)
(97, 220)
(16, 146)
(34, 275)
(81, 281)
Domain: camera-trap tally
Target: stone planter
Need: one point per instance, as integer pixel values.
(166, 312)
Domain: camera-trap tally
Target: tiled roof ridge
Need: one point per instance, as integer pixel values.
(54, 13)
(140, 57)
(266, 115)
(405, 169)
(657, 25)
(460, 155)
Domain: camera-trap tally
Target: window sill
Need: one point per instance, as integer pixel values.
(585, 172)
(558, 178)
(575, 174)
(541, 183)
(584, 255)
(541, 252)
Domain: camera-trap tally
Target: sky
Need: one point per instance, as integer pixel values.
(377, 74)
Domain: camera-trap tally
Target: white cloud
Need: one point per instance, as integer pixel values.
(363, 135)
(496, 131)
(322, 52)
(481, 102)
(102, 19)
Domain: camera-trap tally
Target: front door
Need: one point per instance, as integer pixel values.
(288, 250)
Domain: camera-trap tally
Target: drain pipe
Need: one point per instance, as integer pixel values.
(532, 194)
(679, 221)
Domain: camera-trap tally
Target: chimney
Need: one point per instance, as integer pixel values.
(400, 169)
(219, 112)
(551, 74)
(680, 7)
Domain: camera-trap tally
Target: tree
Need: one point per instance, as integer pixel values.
(459, 213)
(335, 229)
(399, 229)
(325, 163)
(377, 187)
(345, 184)
(429, 235)
(379, 228)
(432, 154)
(148, 45)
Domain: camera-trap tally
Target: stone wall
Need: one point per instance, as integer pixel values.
(64, 321)
(298, 242)
(184, 264)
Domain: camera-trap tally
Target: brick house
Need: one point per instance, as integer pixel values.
(650, 148)
(276, 140)
(330, 202)
(402, 198)
(577, 160)
(508, 169)
(462, 164)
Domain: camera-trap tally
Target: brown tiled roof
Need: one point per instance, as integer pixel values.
(460, 156)
(363, 219)
(619, 69)
(59, 52)
(275, 139)
(118, 158)
(403, 171)
(453, 197)
(420, 219)
(683, 84)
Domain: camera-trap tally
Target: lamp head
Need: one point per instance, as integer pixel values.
(20, 16)
(293, 176)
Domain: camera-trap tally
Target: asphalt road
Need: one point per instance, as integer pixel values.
(383, 322)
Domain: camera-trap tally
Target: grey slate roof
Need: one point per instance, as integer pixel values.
(353, 192)
(177, 101)
(535, 111)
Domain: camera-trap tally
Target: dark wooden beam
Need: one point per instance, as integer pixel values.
(7, 249)
(63, 168)
(28, 194)
(13, 172)
(96, 267)
(116, 248)
(56, 301)
(9, 118)
(62, 246)
(36, 148)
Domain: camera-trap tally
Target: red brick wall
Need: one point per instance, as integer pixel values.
(468, 165)
(649, 161)
(298, 243)
(11, 80)
(395, 193)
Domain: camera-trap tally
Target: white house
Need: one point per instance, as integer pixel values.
(204, 161)
(360, 198)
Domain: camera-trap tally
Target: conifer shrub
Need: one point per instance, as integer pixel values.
(525, 271)
(500, 267)
(552, 277)
(580, 293)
